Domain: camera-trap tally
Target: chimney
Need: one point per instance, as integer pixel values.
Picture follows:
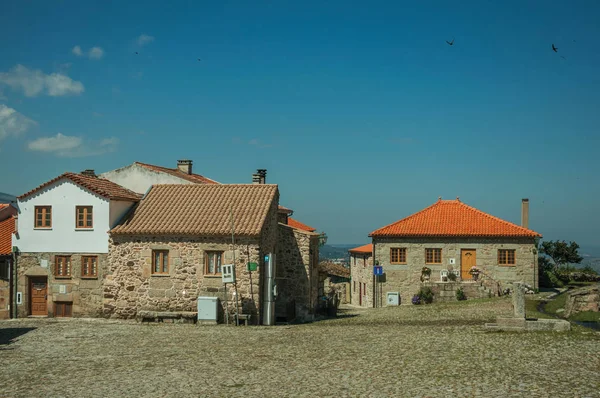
(185, 166)
(255, 179)
(263, 175)
(89, 173)
(525, 213)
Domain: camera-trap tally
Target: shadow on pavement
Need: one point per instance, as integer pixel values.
(7, 335)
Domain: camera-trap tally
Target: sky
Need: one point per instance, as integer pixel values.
(360, 111)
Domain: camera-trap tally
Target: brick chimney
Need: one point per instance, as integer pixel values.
(89, 173)
(185, 165)
(263, 175)
(525, 213)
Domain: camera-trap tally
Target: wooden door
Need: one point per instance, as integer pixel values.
(38, 293)
(468, 259)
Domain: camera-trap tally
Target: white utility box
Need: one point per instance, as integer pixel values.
(208, 309)
(228, 273)
(393, 298)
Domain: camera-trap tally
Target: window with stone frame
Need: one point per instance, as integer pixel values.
(62, 266)
(43, 217)
(398, 255)
(160, 262)
(89, 266)
(506, 257)
(213, 260)
(433, 256)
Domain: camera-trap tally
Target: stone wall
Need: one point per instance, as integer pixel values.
(340, 289)
(583, 299)
(361, 268)
(85, 294)
(5, 290)
(297, 275)
(130, 285)
(405, 278)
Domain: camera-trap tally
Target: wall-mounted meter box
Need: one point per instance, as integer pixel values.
(451, 261)
(228, 273)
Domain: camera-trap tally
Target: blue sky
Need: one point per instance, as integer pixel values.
(360, 111)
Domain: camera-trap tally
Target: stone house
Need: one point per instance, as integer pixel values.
(7, 290)
(361, 269)
(334, 279)
(62, 243)
(171, 248)
(450, 236)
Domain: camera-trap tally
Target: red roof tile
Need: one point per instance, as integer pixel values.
(453, 218)
(7, 227)
(197, 178)
(362, 249)
(299, 225)
(98, 185)
(201, 209)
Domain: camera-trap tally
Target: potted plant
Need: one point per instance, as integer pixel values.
(474, 271)
(451, 276)
(425, 274)
(416, 300)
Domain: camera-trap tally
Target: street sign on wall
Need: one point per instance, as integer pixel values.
(378, 270)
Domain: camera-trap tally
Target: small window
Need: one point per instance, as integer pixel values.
(506, 256)
(43, 217)
(433, 256)
(160, 261)
(213, 263)
(4, 269)
(63, 309)
(398, 255)
(354, 286)
(89, 266)
(62, 266)
(84, 217)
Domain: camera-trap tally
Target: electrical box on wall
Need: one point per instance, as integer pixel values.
(228, 273)
(19, 298)
(451, 261)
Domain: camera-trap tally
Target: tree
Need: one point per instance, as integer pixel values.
(561, 252)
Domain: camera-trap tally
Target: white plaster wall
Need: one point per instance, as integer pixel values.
(118, 208)
(139, 179)
(63, 196)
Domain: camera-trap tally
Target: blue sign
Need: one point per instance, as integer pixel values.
(378, 270)
(266, 258)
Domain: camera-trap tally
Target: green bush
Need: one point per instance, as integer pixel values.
(460, 294)
(451, 276)
(426, 295)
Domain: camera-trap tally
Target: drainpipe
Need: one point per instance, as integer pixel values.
(372, 273)
(13, 286)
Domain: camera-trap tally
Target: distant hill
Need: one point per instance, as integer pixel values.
(329, 252)
(593, 262)
(6, 198)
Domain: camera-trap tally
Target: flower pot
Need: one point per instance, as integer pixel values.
(475, 276)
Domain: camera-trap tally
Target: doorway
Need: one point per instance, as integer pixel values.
(38, 295)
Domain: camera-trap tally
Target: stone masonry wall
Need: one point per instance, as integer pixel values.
(5, 290)
(297, 275)
(406, 278)
(84, 293)
(131, 286)
(361, 268)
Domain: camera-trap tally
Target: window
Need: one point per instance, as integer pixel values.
(89, 266)
(355, 286)
(5, 269)
(62, 266)
(398, 255)
(63, 309)
(43, 217)
(506, 256)
(433, 256)
(84, 218)
(213, 263)
(160, 261)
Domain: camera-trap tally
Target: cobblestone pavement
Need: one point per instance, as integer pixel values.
(410, 351)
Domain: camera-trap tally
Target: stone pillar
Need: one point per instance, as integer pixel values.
(518, 299)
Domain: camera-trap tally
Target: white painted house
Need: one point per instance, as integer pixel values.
(62, 240)
(139, 177)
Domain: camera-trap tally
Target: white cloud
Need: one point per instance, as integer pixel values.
(255, 142)
(73, 147)
(35, 82)
(96, 53)
(77, 51)
(12, 123)
(144, 39)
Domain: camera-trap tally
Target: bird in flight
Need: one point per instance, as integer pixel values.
(450, 43)
(554, 48)
(563, 57)
(199, 59)
(136, 52)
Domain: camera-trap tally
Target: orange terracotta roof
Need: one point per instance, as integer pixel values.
(201, 209)
(3, 205)
(334, 269)
(7, 227)
(197, 178)
(362, 249)
(299, 225)
(98, 185)
(453, 218)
